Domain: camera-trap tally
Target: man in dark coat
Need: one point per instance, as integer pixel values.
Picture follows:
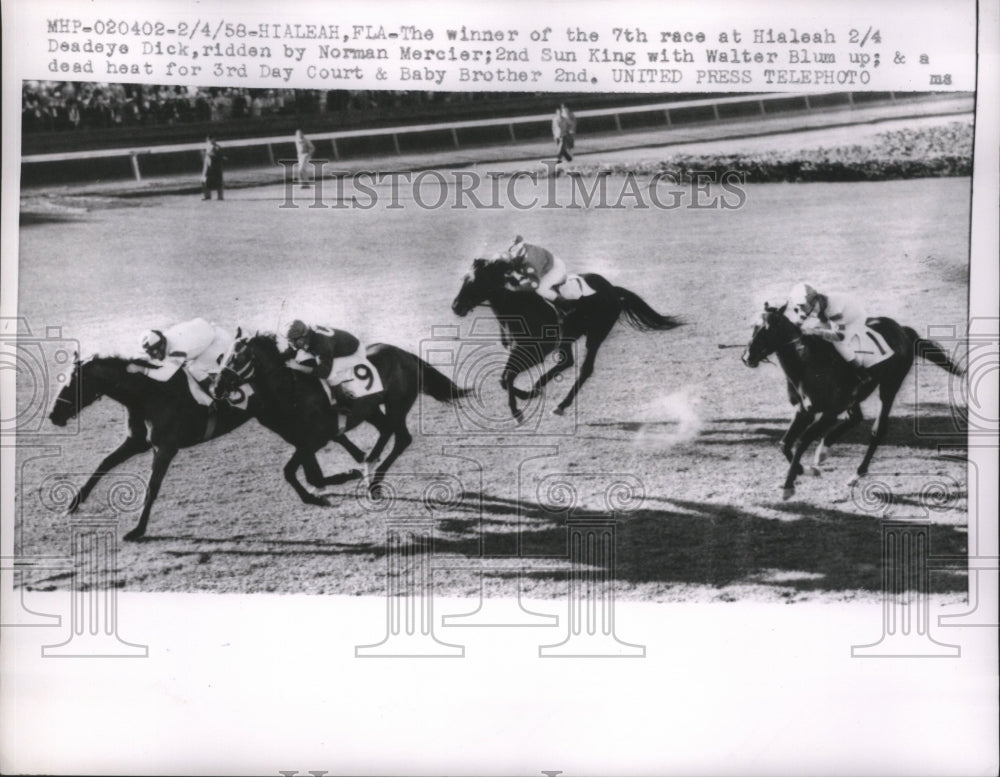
(211, 171)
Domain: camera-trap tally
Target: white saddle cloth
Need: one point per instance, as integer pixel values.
(575, 287)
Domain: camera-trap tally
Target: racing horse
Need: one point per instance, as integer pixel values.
(531, 329)
(821, 383)
(295, 405)
(161, 415)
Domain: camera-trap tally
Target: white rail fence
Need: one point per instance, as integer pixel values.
(758, 105)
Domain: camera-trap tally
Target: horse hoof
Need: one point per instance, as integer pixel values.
(344, 477)
(134, 536)
(787, 493)
(814, 471)
(559, 411)
(822, 457)
(519, 417)
(316, 501)
(854, 481)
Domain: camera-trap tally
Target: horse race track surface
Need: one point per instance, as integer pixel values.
(671, 416)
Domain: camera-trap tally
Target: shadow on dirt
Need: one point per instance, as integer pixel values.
(32, 218)
(926, 433)
(680, 542)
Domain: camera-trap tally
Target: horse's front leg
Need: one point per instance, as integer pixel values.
(801, 420)
(815, 429)
(507, 383)
(505, 339)
(518, 361)
(162, 456)
(132, 446)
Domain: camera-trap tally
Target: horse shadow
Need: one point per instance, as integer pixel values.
(678, 542)
(925, 432)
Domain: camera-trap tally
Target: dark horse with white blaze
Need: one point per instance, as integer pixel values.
(295, 405)
(531, 329)
(161, 415)
(822, 384)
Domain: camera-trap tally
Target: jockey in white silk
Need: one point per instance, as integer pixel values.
(197, 346)
(836, 318)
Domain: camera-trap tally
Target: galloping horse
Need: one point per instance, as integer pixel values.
(531, 329)
(161, 416)
(296, 407)
(827, 386)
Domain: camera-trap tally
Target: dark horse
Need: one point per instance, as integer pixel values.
(296, 407)
(531, 329)
(823, 384)
(161, 416)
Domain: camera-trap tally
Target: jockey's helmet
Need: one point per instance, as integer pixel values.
(297, 333)
(154, 343)
(801, 300)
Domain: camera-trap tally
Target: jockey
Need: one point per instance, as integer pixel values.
(196, 346)
(536, 268)
(835, 318)
(335, 356)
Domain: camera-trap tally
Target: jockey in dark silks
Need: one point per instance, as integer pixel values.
(537, 269)
(335, 356)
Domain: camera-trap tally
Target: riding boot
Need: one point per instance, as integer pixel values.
(557, 305)
(206, 386)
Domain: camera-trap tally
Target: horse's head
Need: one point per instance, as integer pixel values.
(486, 277)
(87, 383)
(236, 369)
(772, 332)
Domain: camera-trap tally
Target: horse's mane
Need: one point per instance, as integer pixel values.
(813, 341)
(269, 341)
(499, 265)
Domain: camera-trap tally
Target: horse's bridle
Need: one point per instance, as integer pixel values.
(244, 373)
(765, 360)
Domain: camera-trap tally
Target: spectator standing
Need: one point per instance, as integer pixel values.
(304, 149)
(563, 132)
(211, 172)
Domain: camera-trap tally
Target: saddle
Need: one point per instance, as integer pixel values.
(575, 287)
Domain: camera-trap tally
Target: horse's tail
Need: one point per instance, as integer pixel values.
(438, 385)
(641, 316)
(933, 352)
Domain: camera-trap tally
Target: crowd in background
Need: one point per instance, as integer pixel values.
(48, 106)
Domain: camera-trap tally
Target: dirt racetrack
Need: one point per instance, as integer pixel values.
(669, 414)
